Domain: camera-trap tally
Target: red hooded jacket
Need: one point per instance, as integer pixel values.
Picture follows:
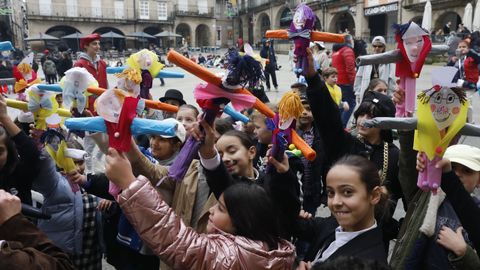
(99, 73)
(344, 61)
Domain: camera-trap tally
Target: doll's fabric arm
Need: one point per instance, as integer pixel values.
(470, 130)
(391, 123)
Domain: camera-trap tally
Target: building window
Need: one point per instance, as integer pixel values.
(202, 6)
(162, 11)
(96, 8)
(144, 10)
(119, 13)
(45, 7)
(183, 5)
(72, 8)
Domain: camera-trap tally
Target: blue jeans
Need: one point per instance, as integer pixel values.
(349, 96)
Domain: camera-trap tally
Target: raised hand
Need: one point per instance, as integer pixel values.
(118, 169)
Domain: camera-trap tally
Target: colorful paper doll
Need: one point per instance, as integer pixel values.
(441, 118)
(211, 78)
(302, 32)
(25, 76)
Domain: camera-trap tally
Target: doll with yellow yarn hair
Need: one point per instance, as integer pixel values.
(147, 64)
(129, 81)
(25, 76)
(289, 109)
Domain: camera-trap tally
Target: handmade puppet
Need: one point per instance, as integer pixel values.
(56, 147)
(148, 65)
(117, 117)
(25, 76)
(289, 109)
(207, 76)
(42, 104)
(413, 46)
(73, 87)
(212, 98)
(441, 119)
(302, 32)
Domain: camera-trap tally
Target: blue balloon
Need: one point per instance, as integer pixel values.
(236, 116)
(50, 87)
(115, 70)
(170, 74)
(6, 46)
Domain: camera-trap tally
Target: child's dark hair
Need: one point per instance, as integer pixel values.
(300, 86)
(374, 110)
(223, 125)
(369, 175)
(191, 107)
(12, 154)
(246, 141)
(374, 82)
(252, 213)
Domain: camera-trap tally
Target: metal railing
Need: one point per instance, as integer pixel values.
(80, 11)
(194, 10)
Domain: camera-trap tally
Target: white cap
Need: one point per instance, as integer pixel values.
(465, 155)
(180, 133)
(379, 39)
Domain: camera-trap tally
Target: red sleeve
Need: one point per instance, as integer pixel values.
(349, 60)
(79, 63)
(16, 74)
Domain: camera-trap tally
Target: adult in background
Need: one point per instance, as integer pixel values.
(269, 53)
(343, 59)
(90, 60)
(320, 57)
(365, 74)
(65, 63)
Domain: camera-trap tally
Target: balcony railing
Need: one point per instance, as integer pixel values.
(194, 11)
(78, 11)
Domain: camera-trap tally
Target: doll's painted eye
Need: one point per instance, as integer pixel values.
(438, 99)
(450, 98)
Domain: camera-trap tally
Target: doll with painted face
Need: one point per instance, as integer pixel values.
(299, 31)
(25, 76)
(441, 119)
(414, 44)
(147, 64)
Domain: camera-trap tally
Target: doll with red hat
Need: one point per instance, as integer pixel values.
(90, 60)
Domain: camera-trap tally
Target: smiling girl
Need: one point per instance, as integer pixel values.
(242, 231)
(355, 198)
(230, 160)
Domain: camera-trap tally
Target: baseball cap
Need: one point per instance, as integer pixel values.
(465, 155)
(379, 39)
(180, 133)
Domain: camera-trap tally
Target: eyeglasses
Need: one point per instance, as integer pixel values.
(378, 46)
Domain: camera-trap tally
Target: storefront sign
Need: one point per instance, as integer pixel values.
(381, 9)
(375, 3)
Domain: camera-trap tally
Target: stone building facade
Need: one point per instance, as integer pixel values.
(200, 22)
(361, 18)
